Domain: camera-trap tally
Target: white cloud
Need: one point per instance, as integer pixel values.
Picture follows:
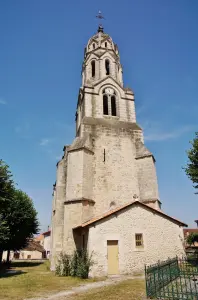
(162, 136)
(2, 101)
(44, 142)
(141, 109)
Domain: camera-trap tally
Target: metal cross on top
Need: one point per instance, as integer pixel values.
(99, 16)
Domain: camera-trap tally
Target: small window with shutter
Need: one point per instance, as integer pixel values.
(139, 240)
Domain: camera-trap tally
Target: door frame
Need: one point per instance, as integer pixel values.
(117, 244)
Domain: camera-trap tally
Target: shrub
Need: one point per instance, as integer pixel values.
(66, 265)
(74, 263)
(58, 269)
(63, 267)
(77, 265)
(84, 263)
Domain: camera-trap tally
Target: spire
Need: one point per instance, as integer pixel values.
(100, 28)
(100, 17)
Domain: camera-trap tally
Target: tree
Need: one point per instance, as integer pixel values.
(6, 196)
(192, 167)
(18, 217)
(22, 220)
(192, 238)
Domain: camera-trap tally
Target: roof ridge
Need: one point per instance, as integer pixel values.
(111, 212)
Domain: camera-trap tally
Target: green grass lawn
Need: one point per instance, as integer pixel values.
(36, 280)
(133, 289)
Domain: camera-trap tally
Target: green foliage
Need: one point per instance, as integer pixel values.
(18, 217)
(84, 262)
(6, 184)
(192, 167)
(58, 271)
(4, 231)
(192, 238)
(6, 197)
(63, 267)
(76, 265)
(23, 223)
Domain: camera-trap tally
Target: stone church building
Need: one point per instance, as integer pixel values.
(106, 194)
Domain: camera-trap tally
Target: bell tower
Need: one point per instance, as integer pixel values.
(102, 94)
(101, 59)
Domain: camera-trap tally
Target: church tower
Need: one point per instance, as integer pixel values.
(107, 165)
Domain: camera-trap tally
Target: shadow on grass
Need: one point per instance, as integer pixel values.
(25, 264)
(9, 269)
(11, 273)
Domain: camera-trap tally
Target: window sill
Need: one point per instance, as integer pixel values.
(139, 250)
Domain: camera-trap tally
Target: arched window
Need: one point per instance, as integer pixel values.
(105, 105)
(93, 68)
(105, 44)
(113, 106)
(107, 67)
(94, 45)
(109, 102)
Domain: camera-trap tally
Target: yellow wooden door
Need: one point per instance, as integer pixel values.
(112, 254)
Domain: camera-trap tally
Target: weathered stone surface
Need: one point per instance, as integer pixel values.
(123, 227)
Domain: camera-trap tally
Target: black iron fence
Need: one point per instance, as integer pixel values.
(172, 279)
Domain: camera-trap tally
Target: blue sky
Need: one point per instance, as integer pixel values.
(41, 52)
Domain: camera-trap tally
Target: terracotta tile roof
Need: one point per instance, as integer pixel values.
(34, 245)
(46, 233)
(39, 237)
(190, 230)
(118, 209)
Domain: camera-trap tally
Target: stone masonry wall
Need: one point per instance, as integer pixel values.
(72, 218)
(88, 174)
(93, 103)
(74, 175)
(114, 179)
(162, 239)
(147, 178)
(58, 212)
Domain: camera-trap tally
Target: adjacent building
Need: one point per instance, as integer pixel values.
(45, 241)
(33, 251)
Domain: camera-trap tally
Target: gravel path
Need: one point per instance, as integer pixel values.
(86, 287)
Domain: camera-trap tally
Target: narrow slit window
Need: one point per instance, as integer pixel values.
(104, 156)
(105, 105)
(93, 68)
(105, 44)
(107, 67)
(113, 106)
(139, 240)
(94, 46)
